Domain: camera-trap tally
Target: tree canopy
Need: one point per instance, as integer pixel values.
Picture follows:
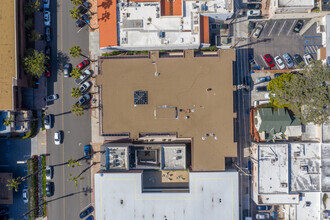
(77, 109)
(305, 93)
(35, 62)
(74, 13)
(76, 73)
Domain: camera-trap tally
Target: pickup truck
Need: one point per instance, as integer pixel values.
(84, 76)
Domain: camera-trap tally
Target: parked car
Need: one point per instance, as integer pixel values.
(278, 74)
(264, 207)
(48, 34)
(260, 102)
(268, 95)
(261, 89)
(288, 60)
(85, 87)
(49, 172)
(269, 60)
(279, 62)
(25, 195)
(262, 216)
(84, 76)
(49, 189)
(47, 18)
(263, 79)
(253, 13)
(52, 97)
(87, 151)
(298, 59)
(67, 70)
(58, 138)
(48, 121)
(48, 51)
(80, 23)
(253, 63)
(254, 6)
(86, 212)
(298, 26)
(4, 210)
(84, 99)
(308, 58)
(46, 4)
(258, 30)
(48, 70)
(90, 218)
(84, 7)
(83, 64)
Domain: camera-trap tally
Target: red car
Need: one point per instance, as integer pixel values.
(48, 70)
(83, 64)
(269, 60)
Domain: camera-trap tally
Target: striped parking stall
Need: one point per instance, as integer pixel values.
(312, 49)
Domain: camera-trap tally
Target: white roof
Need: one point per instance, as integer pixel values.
(211, 195)
(305, 167)
(309, 207)
(328, 38)
(273, 168)
(278, 199)
(295, 3)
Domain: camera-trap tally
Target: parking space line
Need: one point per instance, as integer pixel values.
(281, 29)
(262, 58)
(272, 28)
(289, 31)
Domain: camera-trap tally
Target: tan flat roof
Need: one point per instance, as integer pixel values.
(199, 87)
(7, 53)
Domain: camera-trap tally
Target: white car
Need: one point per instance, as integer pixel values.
(25, 195)
(47, 18)
(85, 87)
(262, 216)
(253, 13)
(308, 58)
(49, 173)
(46, 4)
(58, 138)
(258, 30)
(48, 121)
(52, 98)
(279, 62)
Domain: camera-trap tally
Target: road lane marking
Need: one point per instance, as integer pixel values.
(281, 28)
(289, 31)
(272, 28)
(43, 143)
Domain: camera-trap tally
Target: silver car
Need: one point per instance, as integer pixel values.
(25, 195)
(279, 62)
(47, 18)
(49, 173)
(288, 60)
(52, 97)
(58, 138)
(85, 87)
(67, 70)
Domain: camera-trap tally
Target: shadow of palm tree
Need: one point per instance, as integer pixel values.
(105, 4)
(62, 59)
(105, 16)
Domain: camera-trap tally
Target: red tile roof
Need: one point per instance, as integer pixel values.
(107, 19)
(204, 29)
(171, 7)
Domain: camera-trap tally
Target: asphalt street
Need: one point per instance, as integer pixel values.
(68, 201)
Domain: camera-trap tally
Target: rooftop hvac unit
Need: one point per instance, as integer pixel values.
(161, 34)
(284, 185)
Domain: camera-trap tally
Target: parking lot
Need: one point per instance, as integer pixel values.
(278, 38)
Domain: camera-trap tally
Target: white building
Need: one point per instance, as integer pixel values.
(290, 6)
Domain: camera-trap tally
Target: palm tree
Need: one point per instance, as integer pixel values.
(8, 120)
(77, 109)
(75, 51)
(76, 2)
(13, 183)
(76, 73)
(75, 92)
(72, 163)
(75, 179)
(74, 13)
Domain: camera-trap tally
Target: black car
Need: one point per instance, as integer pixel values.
(48, 34)
(84, 7)
(298, 59)
(254, 6)
(49, 189)
(3, 210)
(86, 212)
(298, 26)
(261, 89)
(48, 51)
(80, 23)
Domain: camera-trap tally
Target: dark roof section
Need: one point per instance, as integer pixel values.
(140, 97)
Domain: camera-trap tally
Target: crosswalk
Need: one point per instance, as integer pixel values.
(311, 49)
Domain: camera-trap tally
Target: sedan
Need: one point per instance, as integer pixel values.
(254, 6)
(269, 60)
(263, 79)
(52, 97)
(298, 26)
(67, 70)
(262, 216)
(58, 138)
(49, 189)
(258, 30)
(261, 89)
(48, 51)
(48, 121)
(85, 87)
(87, 151)
(279, 62)
(253, 13)
(25, 195)
(83, 64)
(86, 212)
(288, 60)
(46, 4)
(48, 34)
(47, 18)
(299, 61)
(264, 207)
(49, 172)
(308, 58)
(48, 70)
(84, 99)
(90, 218)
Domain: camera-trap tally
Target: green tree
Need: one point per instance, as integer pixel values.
(75, 179)
(76, 2)
(35, 63)
(34, 36)
(75, 92)
(77, 109)
(75, 51)
(14, 183)
(72, 163)
(8, 120)
(306, 93)
(74, 13)
(28, 23)
(31, 7)
(75, 73)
